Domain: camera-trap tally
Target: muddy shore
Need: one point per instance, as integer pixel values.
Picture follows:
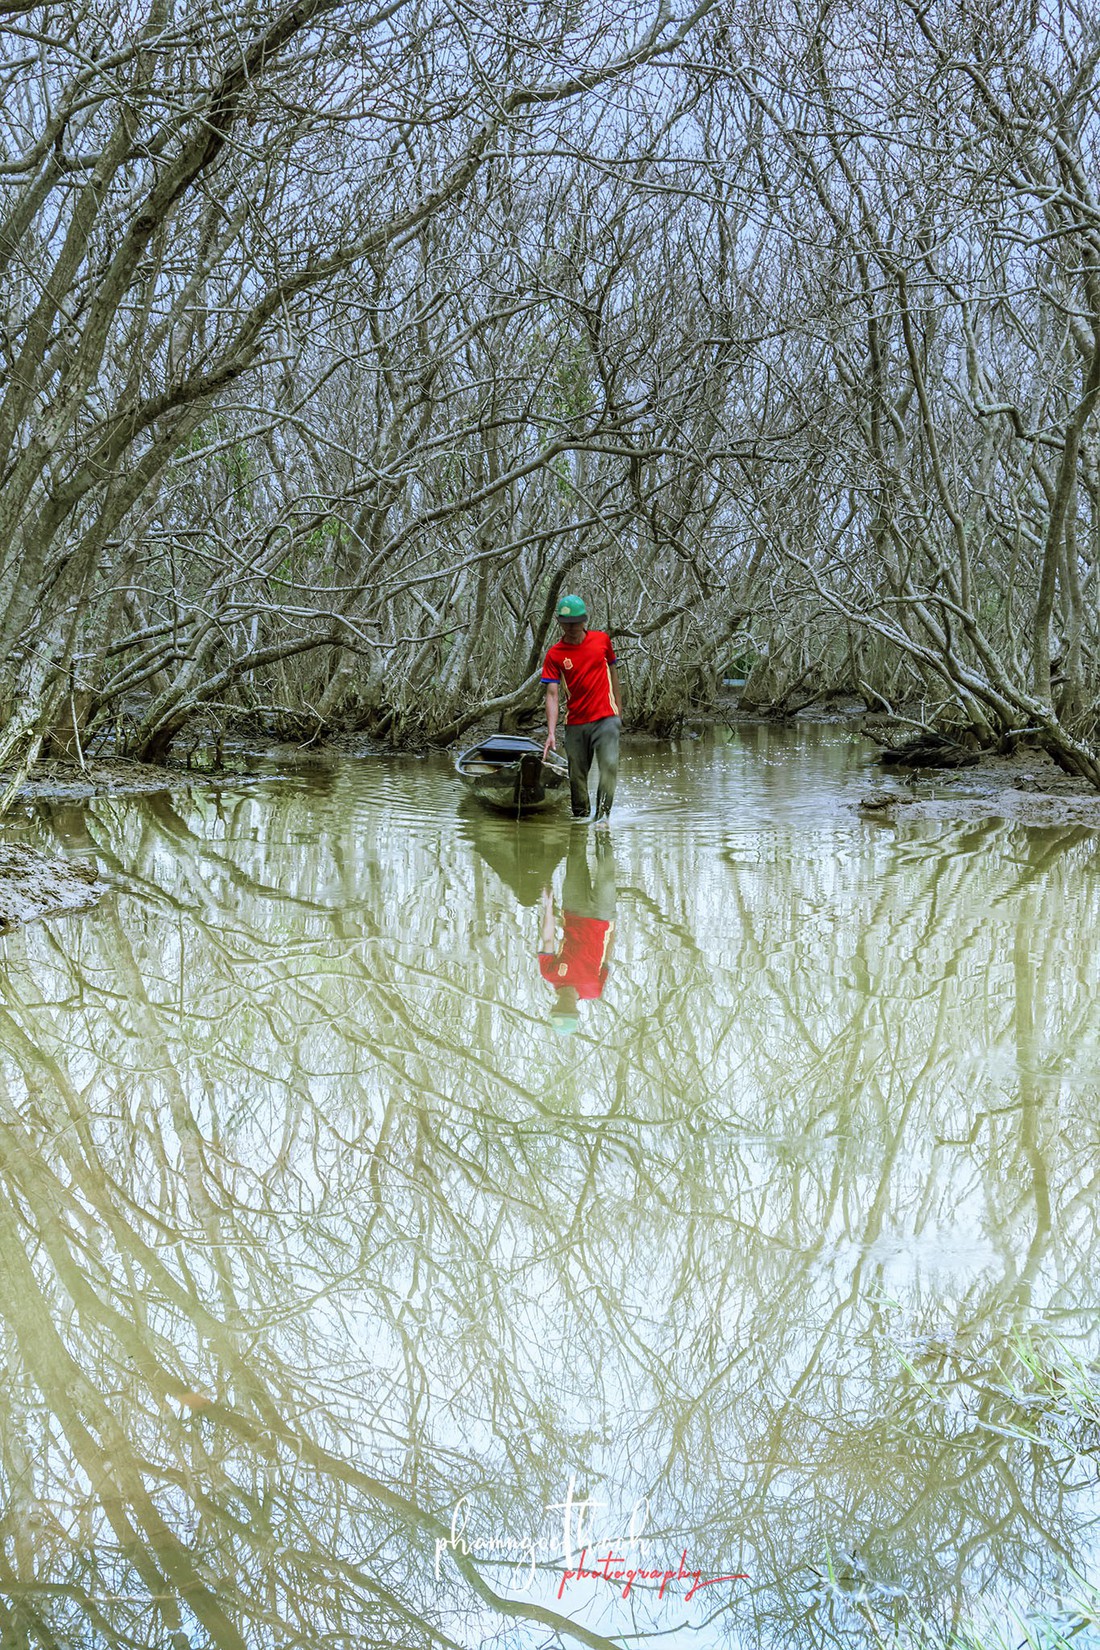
(61, 779)
(37, 885)
(34, 884)
(1027, 788)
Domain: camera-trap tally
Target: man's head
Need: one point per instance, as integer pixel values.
(573, 617)
(563, 1011)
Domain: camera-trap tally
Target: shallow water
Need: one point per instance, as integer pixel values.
(326, 1247)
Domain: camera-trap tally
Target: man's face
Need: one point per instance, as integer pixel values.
(572, 631)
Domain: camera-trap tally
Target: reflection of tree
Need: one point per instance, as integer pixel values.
(307, 1227)
(524, 854)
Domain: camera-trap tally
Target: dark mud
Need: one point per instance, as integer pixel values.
(35, 885)
(1027, 788)
(65, 779)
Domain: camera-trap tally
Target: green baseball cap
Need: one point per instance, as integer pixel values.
(572, 607)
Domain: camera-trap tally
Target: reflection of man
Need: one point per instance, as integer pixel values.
(585, 660)
(578, 968)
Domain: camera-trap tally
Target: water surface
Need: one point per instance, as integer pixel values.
(332, 1238)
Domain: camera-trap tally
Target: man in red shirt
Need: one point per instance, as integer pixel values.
(585, 661)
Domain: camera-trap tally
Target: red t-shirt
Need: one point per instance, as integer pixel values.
(586, 671)
(581, 961)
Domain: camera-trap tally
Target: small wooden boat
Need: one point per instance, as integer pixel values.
(508, 772)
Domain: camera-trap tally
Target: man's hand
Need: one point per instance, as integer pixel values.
(550, 745)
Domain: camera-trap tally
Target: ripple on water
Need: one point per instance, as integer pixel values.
(700, 792)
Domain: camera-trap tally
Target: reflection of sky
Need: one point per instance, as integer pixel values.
(753, 1243)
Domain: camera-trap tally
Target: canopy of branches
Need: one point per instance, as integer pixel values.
(337, 339)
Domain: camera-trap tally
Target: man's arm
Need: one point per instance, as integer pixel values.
(549, 930)
(551, 717)
(615, 688)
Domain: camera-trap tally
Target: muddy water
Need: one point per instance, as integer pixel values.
(337, 1236)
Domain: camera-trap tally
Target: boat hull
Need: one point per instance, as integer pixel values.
(508, 774)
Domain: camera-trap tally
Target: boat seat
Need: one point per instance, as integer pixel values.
(505, 747)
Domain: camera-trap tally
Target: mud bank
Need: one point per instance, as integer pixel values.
(35, 885)
(59, 777)
(1027, 788)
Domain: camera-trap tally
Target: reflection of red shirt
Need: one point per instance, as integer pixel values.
(586, 670)
(580, 962)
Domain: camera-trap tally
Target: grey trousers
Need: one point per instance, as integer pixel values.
(585, 895)
(584, 744)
